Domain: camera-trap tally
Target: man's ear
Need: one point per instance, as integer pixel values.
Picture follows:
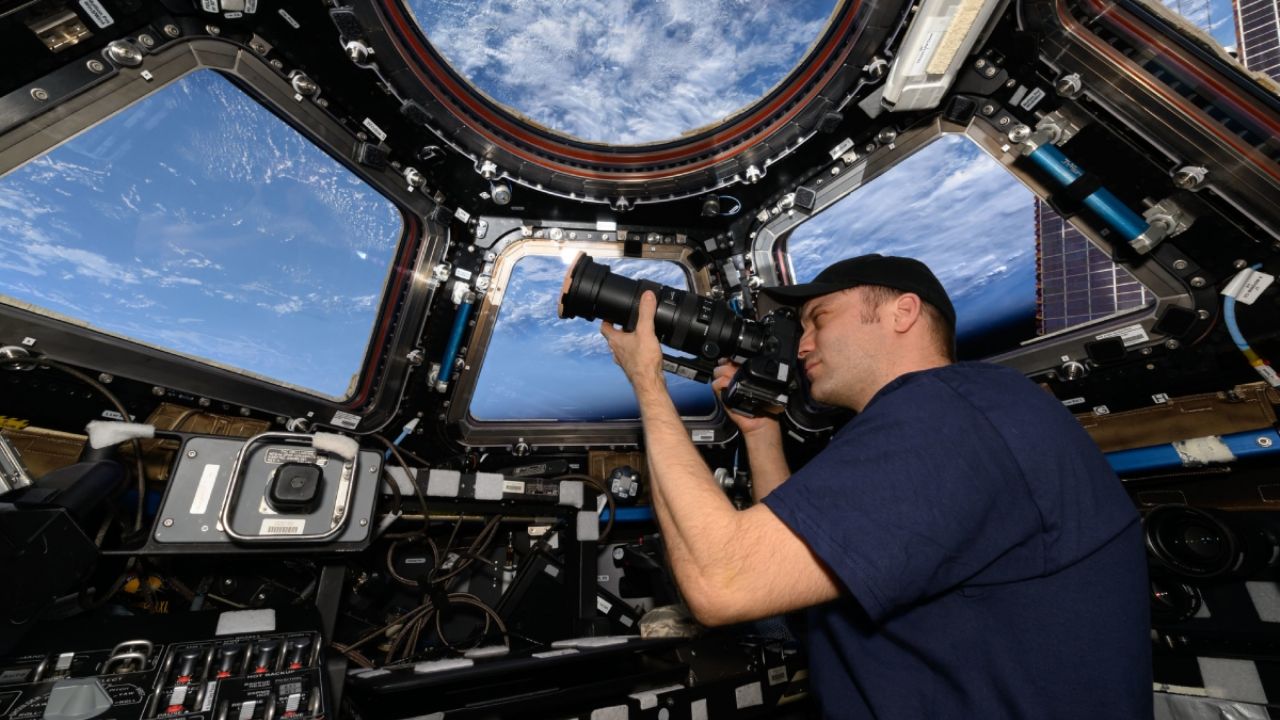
(907, 309)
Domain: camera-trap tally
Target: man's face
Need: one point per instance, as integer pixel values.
(841, 346)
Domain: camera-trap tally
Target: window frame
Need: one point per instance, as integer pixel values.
(1038, 355)
(515, 246)
(403, 300)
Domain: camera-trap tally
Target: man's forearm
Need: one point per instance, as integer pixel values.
(697, 520)
(768, 463)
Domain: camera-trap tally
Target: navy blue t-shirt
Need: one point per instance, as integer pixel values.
(994, 565)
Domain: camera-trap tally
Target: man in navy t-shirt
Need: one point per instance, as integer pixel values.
(963, 546)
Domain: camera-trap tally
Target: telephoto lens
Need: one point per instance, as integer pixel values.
(685, 321)
(1191, 542)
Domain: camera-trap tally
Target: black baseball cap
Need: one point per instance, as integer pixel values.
(899, 273)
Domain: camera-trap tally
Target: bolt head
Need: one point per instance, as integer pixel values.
(191, 453)
(1198, 282)
(1264, 441)
(123, 53)
(1179, 264)
(95, 66)
(172, 30)
(146, 40)
(168, 522)
(39, 94)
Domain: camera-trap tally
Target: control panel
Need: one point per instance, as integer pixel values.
(244, 676)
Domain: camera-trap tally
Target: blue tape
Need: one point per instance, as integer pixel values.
(455, 340)
(1253, 443)
(1101, 201)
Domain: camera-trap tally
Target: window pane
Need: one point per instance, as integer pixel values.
(197, 221)
(623, 72)
(539, 366)
(955, 208)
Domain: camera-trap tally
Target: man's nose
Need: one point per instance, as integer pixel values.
(805, 346)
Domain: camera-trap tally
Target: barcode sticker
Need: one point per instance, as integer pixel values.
(513, 486)
(777, 675)
(345, 420)
(1129, 334)
(282, 526)
(604, 606)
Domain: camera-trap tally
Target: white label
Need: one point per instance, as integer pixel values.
(749, 695)
(604, 606)
(1073, 401)
(1018, 94)
(602, 578)
(841, 149)
(463, 272)
(1268, 374)
(606, 225)
(28, 341)
(784, 370)
(233, 15)
(373, 128)
(462, 215)
(96, 13)
(345, 420)
(282, 526)
(777, 675)
(933, 29)
(698, 709)
(626, 621)
(1102, 410)
(289, 19)
(538, 530)
(208, 696)
(1129, 334)
(1032, 99)
(146, 75)
(210, 6)
(555, 653)
(246, 710)
(552, 570)
(704, 435)
(200, 503)
(178, 696)
(1160, 398)
(1247, 285)
(64, 661)
(513, 486)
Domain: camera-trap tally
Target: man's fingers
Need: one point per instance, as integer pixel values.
(648, 308)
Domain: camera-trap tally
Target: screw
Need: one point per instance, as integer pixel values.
(988, 109)
(980, 63)
(1002, 121)
(1172, 344)
(1198, 282)
(213, 30)
(886, 136)
(146, 40)
(1189, 177)
(1019, 134)
(258, 47)
(373, 469)
(168, 522)
(95, 66)
(364, 522)
(1202, 314)
(1068, 85)
(172, 30)
(1264, 441)
(244, 412)
(203, 402)
(1179, 264)
(1240, 264)
(204, 528)
(989, 72)
(105, 378)
(157, 391)
(123, 53)
(39, 94)
(277, 64)
(304, 85)
(191, 453)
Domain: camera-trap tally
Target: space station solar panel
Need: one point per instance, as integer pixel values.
(1075, 280)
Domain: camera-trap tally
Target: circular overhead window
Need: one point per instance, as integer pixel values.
(626, 101)
(623, 73)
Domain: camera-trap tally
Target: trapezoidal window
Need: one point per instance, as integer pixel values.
(540, 367)
(197, 222)
(1012, 267)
